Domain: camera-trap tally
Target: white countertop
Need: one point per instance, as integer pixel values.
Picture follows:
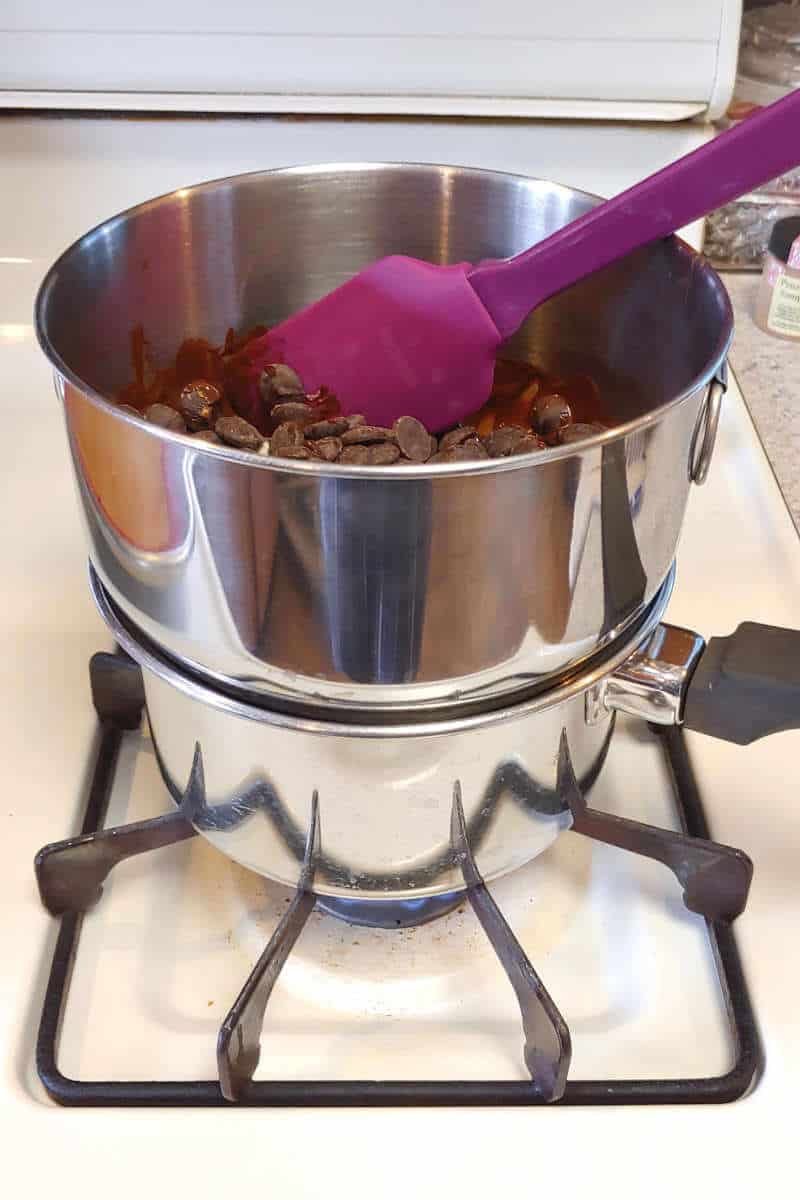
(59, 178)
(768, 369)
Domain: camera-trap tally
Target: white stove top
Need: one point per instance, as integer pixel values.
(625, 962)
(177, 933)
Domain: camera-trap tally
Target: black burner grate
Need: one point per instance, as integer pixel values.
(715, 880)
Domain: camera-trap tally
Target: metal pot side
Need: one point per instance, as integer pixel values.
(385, 792)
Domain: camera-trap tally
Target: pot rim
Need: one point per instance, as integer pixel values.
(338, 470)
(572, 684)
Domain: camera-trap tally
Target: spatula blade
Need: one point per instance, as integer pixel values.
(401, 337)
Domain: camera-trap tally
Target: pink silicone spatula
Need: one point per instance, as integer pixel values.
(405, 336)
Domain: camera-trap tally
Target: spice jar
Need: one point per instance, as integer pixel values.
(778, 300)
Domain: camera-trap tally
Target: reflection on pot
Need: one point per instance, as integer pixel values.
(509, 784)
(376, 549)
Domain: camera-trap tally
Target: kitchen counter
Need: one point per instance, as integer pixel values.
(60, 176)
(768, 370)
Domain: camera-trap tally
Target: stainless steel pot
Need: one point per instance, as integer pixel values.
(245, 775)
(367, 587)
(385, 791)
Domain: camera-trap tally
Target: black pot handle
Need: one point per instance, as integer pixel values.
(746, 686)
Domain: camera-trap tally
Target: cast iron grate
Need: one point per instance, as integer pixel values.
(715, 880)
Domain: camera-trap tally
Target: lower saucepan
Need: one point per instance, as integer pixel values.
(385, 791)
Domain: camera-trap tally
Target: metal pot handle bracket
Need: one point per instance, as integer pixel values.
(705, 433)
(737, 688)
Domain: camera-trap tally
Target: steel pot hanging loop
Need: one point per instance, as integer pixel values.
(705, 434)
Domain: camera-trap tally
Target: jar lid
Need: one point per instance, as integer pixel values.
(782, 237)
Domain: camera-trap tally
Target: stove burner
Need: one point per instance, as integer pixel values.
(70, 874)
(390, 914)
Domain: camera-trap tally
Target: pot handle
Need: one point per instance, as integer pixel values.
(747, 685)
(738, 688)
(705, 434)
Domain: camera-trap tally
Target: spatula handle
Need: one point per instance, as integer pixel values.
(763, 146)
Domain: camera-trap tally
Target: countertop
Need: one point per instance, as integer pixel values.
(768, 370)
(62, 174)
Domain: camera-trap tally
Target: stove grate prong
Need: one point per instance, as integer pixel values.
(71, 874)
(117, 689)
(715, 878)
(548, 1048)
(238, 1043)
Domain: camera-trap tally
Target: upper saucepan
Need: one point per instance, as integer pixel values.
(365, 586)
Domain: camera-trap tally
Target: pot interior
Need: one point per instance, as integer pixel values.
(254, 248)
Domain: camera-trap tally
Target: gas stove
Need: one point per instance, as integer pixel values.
(164, 953)
(367, 990)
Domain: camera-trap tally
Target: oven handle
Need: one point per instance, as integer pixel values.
(738, 688)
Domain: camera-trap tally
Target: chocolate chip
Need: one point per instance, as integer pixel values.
(325, 429)
(550, 414)
(355, 455)
(361, 434)
(500, 442)
(235, 431)
(412, 438)
(206, 435)
(328, 448)
(292, 410)
(381, 454)
(528, 445)
(454, 437)
(166, 417)
(292, 452)
(199, 403)
(286, 435)
(278, 380)
(578, 431)
(472, 448)
(376, 454)
(469, 451)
